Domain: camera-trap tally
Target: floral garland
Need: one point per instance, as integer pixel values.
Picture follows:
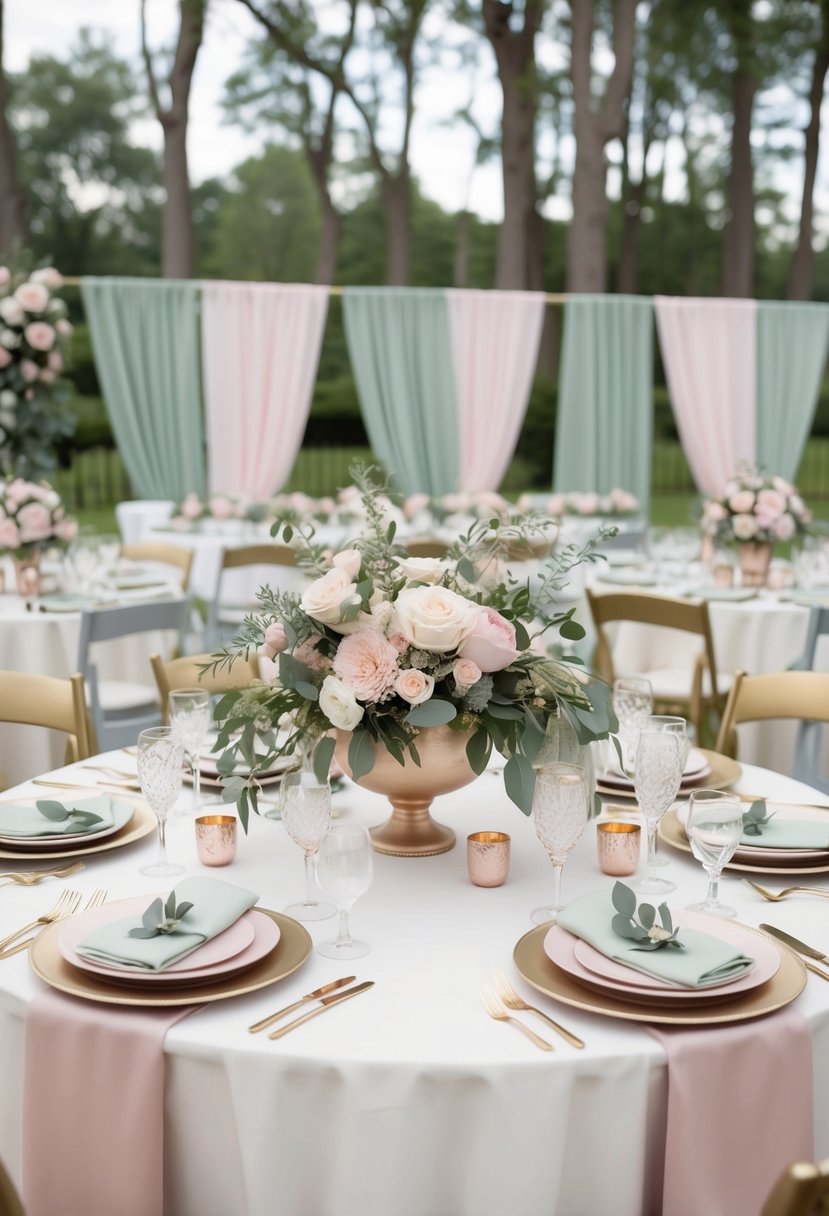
(32, 517)
(756, 507)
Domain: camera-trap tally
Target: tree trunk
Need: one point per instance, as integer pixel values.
(801, 270)
(460, 274)
(12, 201)
(330, 229)
(398, 204)
(738, 237)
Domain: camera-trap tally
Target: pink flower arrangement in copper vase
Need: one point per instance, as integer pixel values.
(755, 507)
(32, 517)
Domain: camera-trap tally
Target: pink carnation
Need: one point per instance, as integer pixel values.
(35, 522)
(39, 335)
(276, 640)
(308, 654)
(367, 664)
(9, 534)
(491, 643)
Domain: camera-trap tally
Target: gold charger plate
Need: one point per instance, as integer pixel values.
(540, 971)
(142, 823)
(290, 952)
(724, 772)
(672, 832)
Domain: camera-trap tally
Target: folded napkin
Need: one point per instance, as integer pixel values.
(704, 960)
(27, 821)
(780, 833)
(65, 603)
(216, 906)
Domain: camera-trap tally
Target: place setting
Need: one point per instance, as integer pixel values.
(47, 828)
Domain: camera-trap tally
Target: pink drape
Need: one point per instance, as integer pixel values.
(260, 349)
(495, 337)
(709, 349)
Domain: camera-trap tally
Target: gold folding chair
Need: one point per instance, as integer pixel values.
(426, 546)
(221, 616)
(693, 694)
(186, 673)
(802, 695)
(32, 700)
(799, 1190)
(164, 555)
(10, 1203)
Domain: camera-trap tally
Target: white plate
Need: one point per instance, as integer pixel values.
(760, 853)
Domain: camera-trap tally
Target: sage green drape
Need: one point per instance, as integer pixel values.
(604, 428)
(145, 338)
(398, 341)
(792, 345)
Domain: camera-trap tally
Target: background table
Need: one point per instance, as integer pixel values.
(410, 1100)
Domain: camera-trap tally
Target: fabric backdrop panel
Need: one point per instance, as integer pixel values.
(495, 338)
(145, 338)
(398, 340)
(260, 349)
(604, 431)
(709, 349)
(792, 345)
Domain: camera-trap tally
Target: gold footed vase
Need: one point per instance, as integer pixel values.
(755, 557)
(411, 831)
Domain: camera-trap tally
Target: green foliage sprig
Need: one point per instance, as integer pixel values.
(644, 931)
(161, 918)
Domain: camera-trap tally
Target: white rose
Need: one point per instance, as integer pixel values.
(434, 618)
(8, 399)
(421, 569)
(9, 339)
(348, 560)
(339, 705)
(324, 598)
(32, 296)
(11, 311)
(51, 499)
(47, 275)
(745, 526)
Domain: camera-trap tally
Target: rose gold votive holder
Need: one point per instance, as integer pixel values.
(216, 839)
(724, 576)
(487, 856)
(618, 847)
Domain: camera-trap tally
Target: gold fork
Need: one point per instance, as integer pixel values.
(770, 895)
(95, 900)
(65, 906)
(497, 1011)
(513, 1001)
(33, 877)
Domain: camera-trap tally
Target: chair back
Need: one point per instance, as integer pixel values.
(799, 1190)
(187, 672)
(138, 517)
(105, 625)
(10, 1202)
(799, 695)
(817, 627)
(33, 700)
(236, 559)
(426, 546)
(162, 555)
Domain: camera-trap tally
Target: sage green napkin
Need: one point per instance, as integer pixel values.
(790, 834)
(27, 821)
(216, 906)
(704, 960)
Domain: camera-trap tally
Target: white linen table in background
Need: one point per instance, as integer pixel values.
(409, 1100)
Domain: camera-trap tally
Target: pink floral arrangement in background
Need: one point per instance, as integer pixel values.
(756, 507)
(581, 502)
(32, 516)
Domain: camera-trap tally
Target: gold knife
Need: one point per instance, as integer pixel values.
(312, 996)
(798, 946)
(327, 1002)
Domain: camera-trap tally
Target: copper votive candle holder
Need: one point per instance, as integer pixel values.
(216, 839)
(487, 857)
(618, 845)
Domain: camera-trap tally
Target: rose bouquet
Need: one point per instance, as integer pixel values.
(32, 517)
(384, 645)
(755, 507)
(34, 333)
(617, 503)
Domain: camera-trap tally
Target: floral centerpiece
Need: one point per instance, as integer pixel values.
(34, 334)
(383, 648)
(755, 511)
(618, 503)
(32, 518)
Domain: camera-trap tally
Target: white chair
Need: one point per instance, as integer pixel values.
(136, 519)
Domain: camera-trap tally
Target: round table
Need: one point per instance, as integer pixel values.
(409, 1100)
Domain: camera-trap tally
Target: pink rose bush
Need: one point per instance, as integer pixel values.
(755, 507)
(31, 517)
(382, 646)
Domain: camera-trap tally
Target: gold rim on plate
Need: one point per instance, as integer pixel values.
(143, 822)
(724, 772)
(289, 953)
(537, 969)
(673, 833)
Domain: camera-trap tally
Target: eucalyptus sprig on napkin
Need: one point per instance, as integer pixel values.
(645, 931)
(57, 813)
(756, 818)
(161, 917)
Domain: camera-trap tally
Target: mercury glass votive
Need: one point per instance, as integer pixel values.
(216, 839)
(618, 845)
(487, 857)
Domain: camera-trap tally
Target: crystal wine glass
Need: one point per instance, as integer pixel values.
(306, 817)
(160, 758)
(715, 827)
(560, 808)
(660, 759)
(633, 705)
(190, 719)
(109, 550)
(345, 867)
(680, 727)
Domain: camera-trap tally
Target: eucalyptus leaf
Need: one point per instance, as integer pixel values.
(323, 755)
(361, 753)
(624, 899)
(647, 915)
(519, 782)
(434, 712)
(478, 750)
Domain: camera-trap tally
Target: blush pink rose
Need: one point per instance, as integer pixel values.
(348, 560)
(414, 504)
(785, 527)
(276, 640)
(47, 376)
(55, 361)
(67, 529)
(771, 502)
(466, 673)
(714, 511)
(32, 296)
(5, 357)
(742, 502)
(191, 507)
(9, 534)
(491, 643)
(221, 507)
(47, 275)
(29, 370)
(308, 654)
(65, 328)
(414, 686)
(39, 335)
(367, 664)
(35, 522)
(399, 641)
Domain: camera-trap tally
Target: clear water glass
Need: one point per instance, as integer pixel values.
(560, 812)
(306, 817)
(345, 868)
(160, 760)
(660, 759)
(86, 560)
(680, 728)
(633, 706)
(190, 717)
(715, 828)
(109, 551)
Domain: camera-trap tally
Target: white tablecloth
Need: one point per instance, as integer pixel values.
(410, 1100)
